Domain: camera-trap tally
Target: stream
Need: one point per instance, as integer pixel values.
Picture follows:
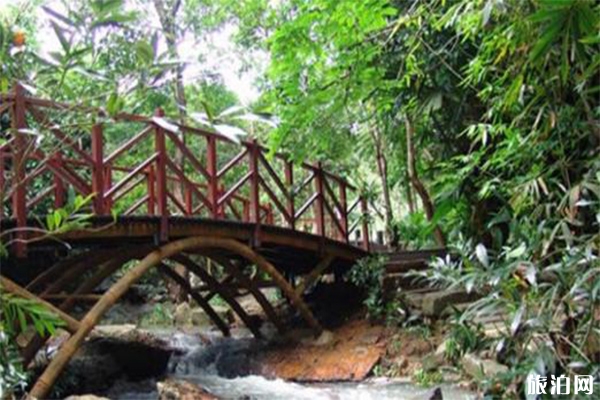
(206, 365)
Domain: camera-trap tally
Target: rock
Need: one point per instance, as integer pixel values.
(86, 397)
(182, 390)
(182, 314)
(198, 317)
(340, 356)
(114, 352)
(432, 361)
(434, 394)
(434, 303)
(436, 359)
(479, 368)
(325, 338)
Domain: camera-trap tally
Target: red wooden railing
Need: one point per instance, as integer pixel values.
(207, 176)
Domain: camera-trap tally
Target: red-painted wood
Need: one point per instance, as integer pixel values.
(98, 169)
(151, 185)
(254, 184)
(19, 201)
(59, 186)
(161, 176)
(289, 181)
(319, 205)
(344, 212)
(213, 183)
(261, 189)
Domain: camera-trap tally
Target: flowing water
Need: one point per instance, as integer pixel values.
(206, 365)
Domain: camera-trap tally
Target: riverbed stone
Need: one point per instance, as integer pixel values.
(432, 394)
(182, 314)
(433, 304)
(86, 397)
(172, 389)
(111, 353)
(345, 358)
(479, 368)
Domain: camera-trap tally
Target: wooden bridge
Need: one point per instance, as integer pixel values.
(168, 198)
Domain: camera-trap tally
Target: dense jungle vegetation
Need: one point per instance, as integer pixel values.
(470, 124)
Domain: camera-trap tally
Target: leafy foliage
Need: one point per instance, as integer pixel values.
(17, 315)
(368, 274)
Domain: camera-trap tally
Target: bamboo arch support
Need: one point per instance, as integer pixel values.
(103, 272)
(154, 259)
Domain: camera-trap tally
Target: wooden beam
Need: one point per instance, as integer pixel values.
(247, 283)
(222, 290)
(212, 314)
(314, 274)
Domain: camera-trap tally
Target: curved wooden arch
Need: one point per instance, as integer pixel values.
(105, 269)
(89, 257)
(154, 259)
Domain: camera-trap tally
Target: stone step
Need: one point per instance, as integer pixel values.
(411, 255)
(393, 282)
(394, 267)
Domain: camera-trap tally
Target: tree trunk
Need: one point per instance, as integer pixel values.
(418, 185)
(409, 194)
(383, 176)
(167, 17)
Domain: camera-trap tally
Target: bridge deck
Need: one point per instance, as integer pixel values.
(290, 251)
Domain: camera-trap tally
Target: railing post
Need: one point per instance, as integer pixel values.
(246, 211)
(161, 177)
(319, 210)
(344, 211)
(211, 167)
(98, 169)
(221, 208)
(19, 200)
(269, 211)
(151, 184)
(188, 200)
(59, 185)
(108, 203)
(2, 182)
(254, 184)
(365, 223)
(289, 180)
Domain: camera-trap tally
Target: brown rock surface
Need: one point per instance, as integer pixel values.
(348, 354)
(172, 389)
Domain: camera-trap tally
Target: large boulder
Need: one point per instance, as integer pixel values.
(479, 368)
(111, 353)
(432, 394)
(172, 389)
(433, 304)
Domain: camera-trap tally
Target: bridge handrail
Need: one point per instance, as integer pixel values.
(171, 188)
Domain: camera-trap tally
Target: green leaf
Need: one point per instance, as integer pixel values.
(144, 52)
(550, 35)
(58, 219)
(60, 33)
(103, 7)
(114, 104)
(59, 16)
